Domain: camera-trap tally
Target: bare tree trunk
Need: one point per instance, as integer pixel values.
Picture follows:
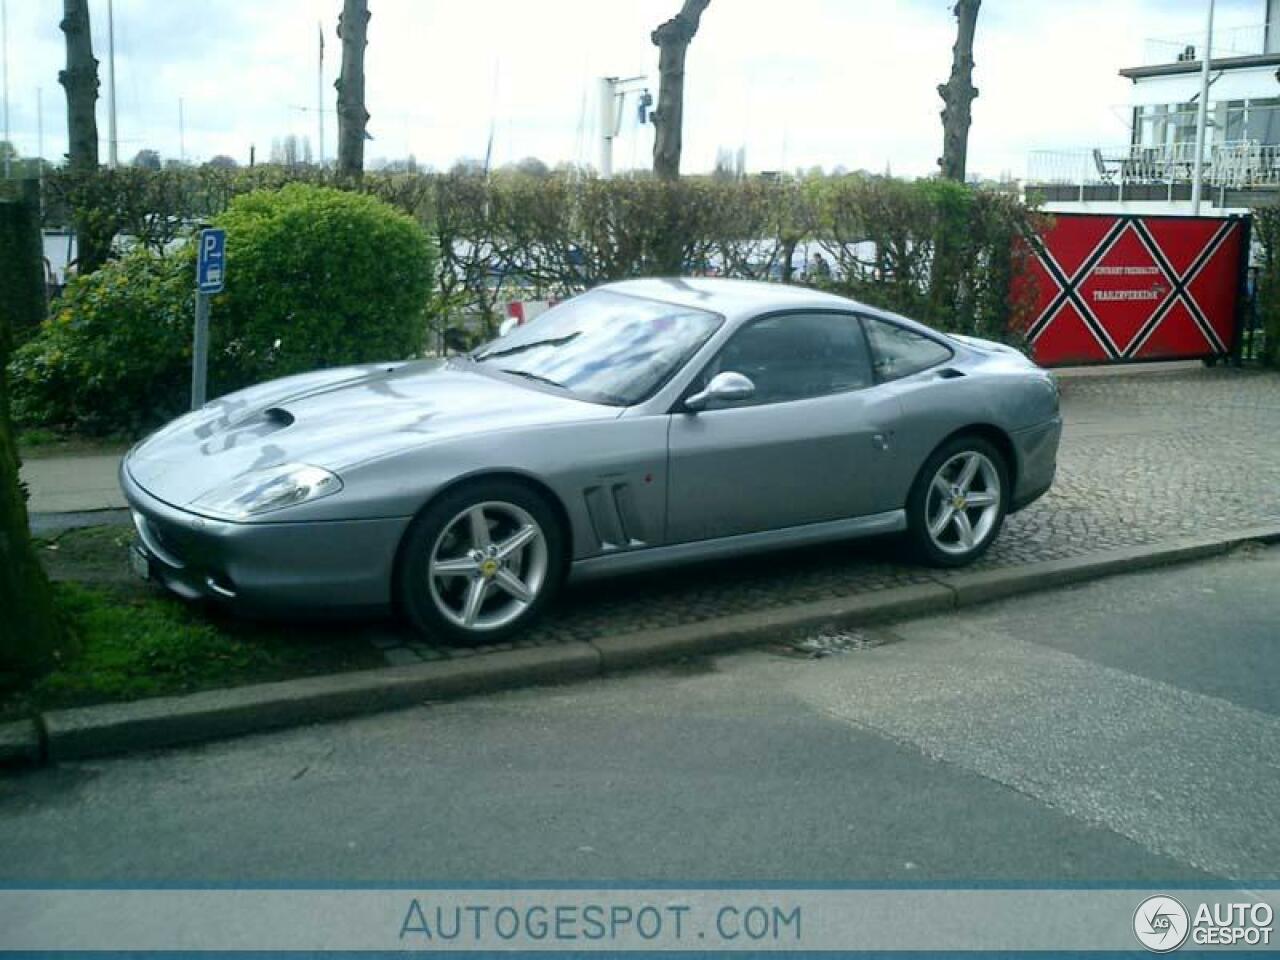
(31, 634)
(353, 27)
(81, 82)
(958, 94)
(80, 79)
(672, 40)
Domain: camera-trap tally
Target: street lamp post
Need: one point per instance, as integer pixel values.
(4, 55)
(1202, 117)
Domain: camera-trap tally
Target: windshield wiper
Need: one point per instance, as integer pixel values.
(533, 376)
(508, 351)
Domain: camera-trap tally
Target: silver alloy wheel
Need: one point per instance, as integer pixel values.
(487, 566)
(963, 503)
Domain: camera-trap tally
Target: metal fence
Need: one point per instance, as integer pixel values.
(1243, 41)
(1241, 164)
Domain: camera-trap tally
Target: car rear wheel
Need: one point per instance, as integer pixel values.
(958, 502)
(480, 563)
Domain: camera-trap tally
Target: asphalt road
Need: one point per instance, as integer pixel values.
(1124, 731)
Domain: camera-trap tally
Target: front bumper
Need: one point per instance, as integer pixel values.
(266, 567)
(1037, 452)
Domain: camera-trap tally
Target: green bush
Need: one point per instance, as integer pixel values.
(315, 277)
(114, 354)
(1266, 232)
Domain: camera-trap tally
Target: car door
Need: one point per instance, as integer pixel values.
(809, 446)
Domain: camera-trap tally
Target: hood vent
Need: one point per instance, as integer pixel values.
(249, 430)
(278, 417)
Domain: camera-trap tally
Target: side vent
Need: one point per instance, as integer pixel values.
(615, 520)
(950, 373)
(628, 515)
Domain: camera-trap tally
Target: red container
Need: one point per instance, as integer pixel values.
(1120, 288)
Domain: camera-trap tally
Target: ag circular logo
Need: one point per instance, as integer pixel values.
(1160, 923)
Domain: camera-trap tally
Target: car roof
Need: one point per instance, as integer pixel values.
(734, 298)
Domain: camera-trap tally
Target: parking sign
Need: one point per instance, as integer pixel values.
(211, 262)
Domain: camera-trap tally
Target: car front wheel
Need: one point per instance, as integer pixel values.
(958, 502)
(480, 563)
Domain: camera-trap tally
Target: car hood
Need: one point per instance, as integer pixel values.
(336, 419)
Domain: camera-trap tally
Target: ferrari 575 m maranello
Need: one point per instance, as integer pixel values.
(641, 425)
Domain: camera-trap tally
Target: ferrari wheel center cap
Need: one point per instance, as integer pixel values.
(489, 568)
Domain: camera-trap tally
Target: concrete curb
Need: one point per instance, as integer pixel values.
(981, 586)
(647, 647)
(170, 721)
(19, 744)
(52, 524)
(1127, 369)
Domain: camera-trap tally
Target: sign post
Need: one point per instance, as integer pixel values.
(210, 275)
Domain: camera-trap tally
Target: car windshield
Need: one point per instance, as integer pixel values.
(603, 346)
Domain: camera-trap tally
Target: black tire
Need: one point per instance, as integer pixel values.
(921, 542)
(413, 593)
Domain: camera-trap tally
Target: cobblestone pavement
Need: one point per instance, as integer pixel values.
(1145, 457)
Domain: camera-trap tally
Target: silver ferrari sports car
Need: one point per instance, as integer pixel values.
(640, 425)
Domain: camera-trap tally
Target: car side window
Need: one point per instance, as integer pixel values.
(797, 355)
(899, 352)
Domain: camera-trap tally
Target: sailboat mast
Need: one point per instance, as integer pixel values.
(320, 93)
(113, 156)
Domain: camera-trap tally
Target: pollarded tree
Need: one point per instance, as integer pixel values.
(80, 80)
(672, 40)
(353, 30)
(958, 94)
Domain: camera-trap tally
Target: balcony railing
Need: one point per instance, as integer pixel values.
(1236, 165)
(1229, 42)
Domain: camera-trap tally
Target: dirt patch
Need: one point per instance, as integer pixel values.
(89, 555)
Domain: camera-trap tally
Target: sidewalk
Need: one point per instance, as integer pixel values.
(72, 484)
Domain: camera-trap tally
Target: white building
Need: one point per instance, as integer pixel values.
(1152, 172)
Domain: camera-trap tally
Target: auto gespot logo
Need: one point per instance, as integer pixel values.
(1162, 924)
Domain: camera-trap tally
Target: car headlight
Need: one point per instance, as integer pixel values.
(263, 491)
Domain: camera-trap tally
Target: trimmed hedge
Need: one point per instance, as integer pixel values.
(21, 258)
(315, 277)
(1266, 233)
(304, 291)
(511, 235)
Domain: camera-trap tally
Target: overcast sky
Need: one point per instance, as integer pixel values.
(797, 82)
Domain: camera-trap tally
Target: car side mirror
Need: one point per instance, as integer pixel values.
(726, 387)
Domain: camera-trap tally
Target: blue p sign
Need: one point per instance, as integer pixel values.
(211, 261)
